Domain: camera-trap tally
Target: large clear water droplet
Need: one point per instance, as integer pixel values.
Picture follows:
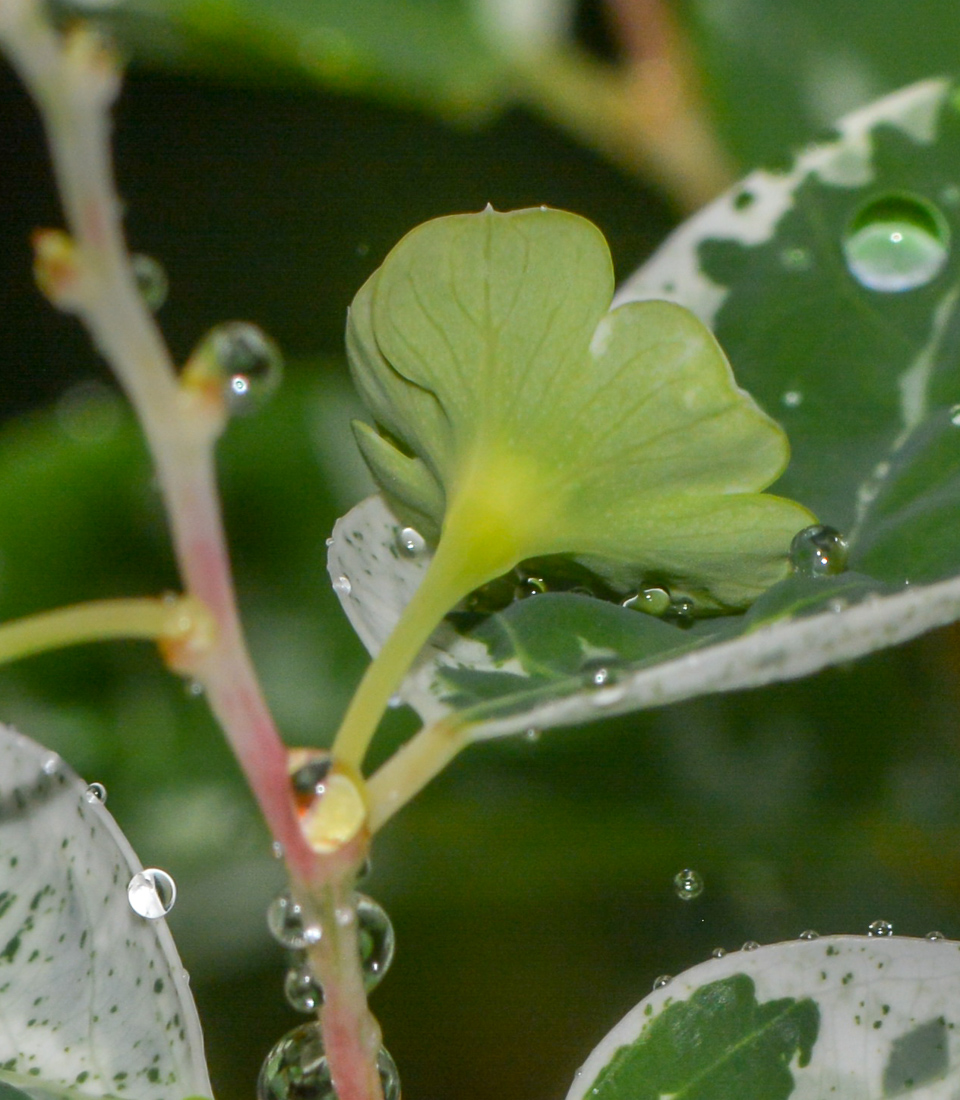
(247, 360)
(934, 937)
(897, 242)
(880, 928)
(688, 884)
(288, 925)
(750, 945)
(302, 990)
(376, 938)
(809, 934)
(410, 542)
(151, 280)
(342, 586)
(96, 792)
(653, 601)
(297, 1069)
(818, 551)
(151, 893)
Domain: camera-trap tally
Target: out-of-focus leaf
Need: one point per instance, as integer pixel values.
(93, 997)
(781, 73)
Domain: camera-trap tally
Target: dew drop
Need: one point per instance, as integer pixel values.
(50, 764)
(664, 979)
(895, 243)
(791, 399)
(395, 700)
(328, 541)
(285, 919)
(688, 884)
(718, 953)
(151, 280)
(376, 938)
(530, 586)
(599, 676)
(796, 259)
(151, 893)
(653, 601)
(532, 734)
(681, 611)
(818, 551)
(96, 792)
(194, 688)
(880, 928)
(750, 945)
(297, 1069)
(809, 934)
(934, 937)
(345, 915)
(410, 542)
(301, 989)
(309, 780)
(276, 850)
(244, 359)
(342, 586)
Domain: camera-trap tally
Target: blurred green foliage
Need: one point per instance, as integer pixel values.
(530, 885)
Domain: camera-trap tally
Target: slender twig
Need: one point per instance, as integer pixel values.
(74, 80)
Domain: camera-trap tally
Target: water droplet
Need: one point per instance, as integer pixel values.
(328, 541)
(955, 416)
(897, 242)
(796, 259)
(242, 360)
(411, 543)
(681, 611)
(302, 990)
(276, 850)
(818, 551)
(395, 701)
(297, 1069)
(750, 945)
(718, 953)
(600, 676)
(96, 792)
(309, 780)
(653, 601)
(934, 937)
(342, 586)
(345, 916)
(530, 586)
(791, 399)
(151, 893)
(50, 764)
(880, 928)
(194, 688)
(287, 924)
(532, 734)
(151, 280)
(687, 884)
(809, 934)
(376, 938)
(664, 979)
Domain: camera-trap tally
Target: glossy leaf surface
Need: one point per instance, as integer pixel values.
(94, 998)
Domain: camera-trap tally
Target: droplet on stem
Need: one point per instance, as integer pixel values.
(287, 923)
(151, 280)
(297, 1069)
(151, 893)
(376, 939)
(239, 360)
(302, 991)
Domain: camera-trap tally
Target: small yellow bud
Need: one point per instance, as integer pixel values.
(330, 799)
(188, 634)
(56, 268)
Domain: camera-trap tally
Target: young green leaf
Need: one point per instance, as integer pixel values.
(838, 1015)
(93, 997)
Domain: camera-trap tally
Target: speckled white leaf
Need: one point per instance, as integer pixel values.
(381, 579)
(93, 998)
(888, 1009)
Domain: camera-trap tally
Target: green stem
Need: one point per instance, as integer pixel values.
(445, 583)
(100, 620)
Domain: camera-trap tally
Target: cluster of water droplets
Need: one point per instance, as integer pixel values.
(297, 1068)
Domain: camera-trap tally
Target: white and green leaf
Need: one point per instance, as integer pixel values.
(94, 1000)
(848, 1016)
(863, 377)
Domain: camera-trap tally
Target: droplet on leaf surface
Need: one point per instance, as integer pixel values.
(688, 884)
(411, 543)
(151, 893)
(809, 934)
(818, 551)
(880, 928)
(934, 937)
(96, 792)
(297, 1069)
(664, 979)
(897, 242)
(654, 601)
